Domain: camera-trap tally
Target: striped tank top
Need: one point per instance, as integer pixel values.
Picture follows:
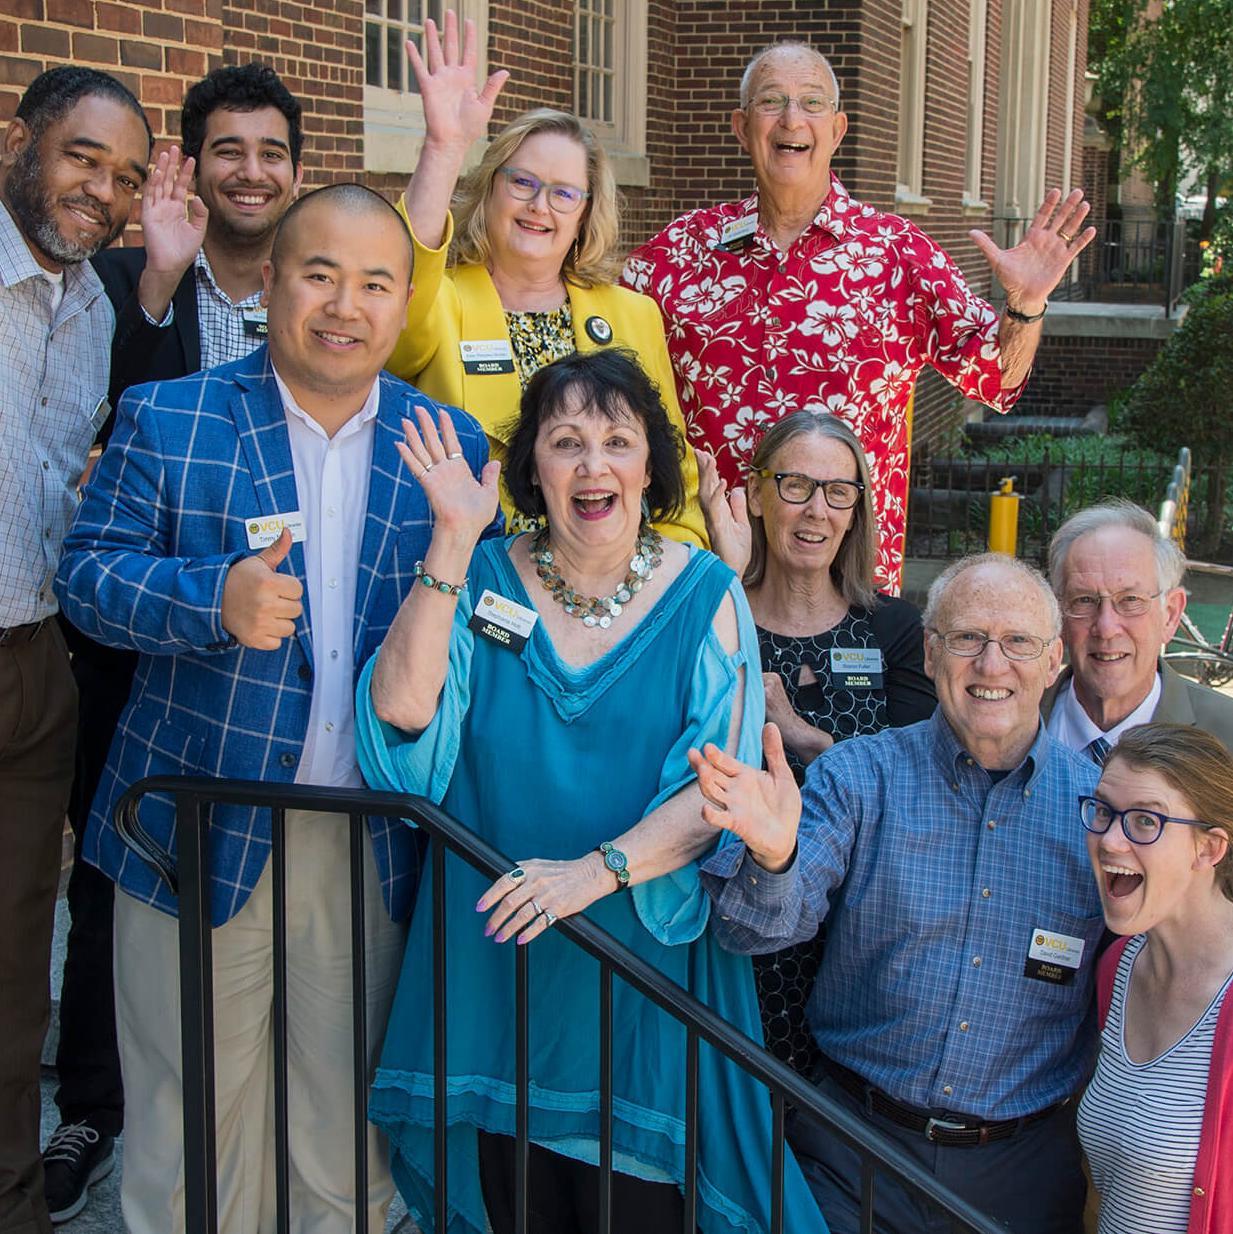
(1140, 1122)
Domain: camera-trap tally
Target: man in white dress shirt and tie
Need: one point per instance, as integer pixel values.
(1118, 581)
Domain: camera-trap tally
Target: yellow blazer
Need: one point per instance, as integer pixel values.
(449, 306)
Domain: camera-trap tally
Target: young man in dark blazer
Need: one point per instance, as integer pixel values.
(189, 299)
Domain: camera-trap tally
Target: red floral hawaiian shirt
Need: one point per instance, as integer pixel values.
(842, 323)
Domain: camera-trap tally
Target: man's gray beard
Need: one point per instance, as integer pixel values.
(32, 207)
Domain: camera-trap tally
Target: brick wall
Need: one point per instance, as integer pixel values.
(157, 48)
(317, 48)
(1074, 374)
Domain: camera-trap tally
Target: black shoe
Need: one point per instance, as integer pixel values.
(75, 1156)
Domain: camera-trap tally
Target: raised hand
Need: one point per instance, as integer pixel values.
(460, 503)
(762, 808)
(456, 113)
(1033, 268)
(260, 605)
(726, 515)
(173, 225)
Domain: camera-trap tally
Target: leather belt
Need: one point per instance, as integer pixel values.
(22, 634)
(946, 1132)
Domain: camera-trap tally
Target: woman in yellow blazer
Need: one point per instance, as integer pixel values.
(528, 276)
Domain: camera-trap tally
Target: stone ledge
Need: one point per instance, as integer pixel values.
(1081, 319)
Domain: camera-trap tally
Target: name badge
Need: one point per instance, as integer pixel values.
(856, 668)
(503, 621)
(1053, 957)
(737, 232)
(481, 357)
(255, 325)
(266, 528)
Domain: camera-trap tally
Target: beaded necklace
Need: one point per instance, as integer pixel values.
(599, 610)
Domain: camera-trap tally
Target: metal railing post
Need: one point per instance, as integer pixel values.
(196, 1017)
(359, 1021)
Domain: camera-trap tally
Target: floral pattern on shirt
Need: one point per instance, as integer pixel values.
(842, 323)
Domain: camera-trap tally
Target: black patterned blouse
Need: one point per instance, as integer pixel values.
(785, 979)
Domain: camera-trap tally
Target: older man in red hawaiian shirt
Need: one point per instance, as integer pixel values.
(801, 297)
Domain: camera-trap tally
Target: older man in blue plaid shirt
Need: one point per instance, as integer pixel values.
(953, 1005)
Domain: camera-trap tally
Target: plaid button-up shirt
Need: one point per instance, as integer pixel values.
(52, 402)
(934, 882)
(220, 320)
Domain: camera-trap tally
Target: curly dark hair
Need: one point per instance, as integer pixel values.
(238, 87)
(613, 383)
(53, 94)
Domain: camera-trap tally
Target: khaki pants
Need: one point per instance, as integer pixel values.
(38, 729)
(318, 1047)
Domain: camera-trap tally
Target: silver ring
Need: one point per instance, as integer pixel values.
(516, 875)
(456, 454)
(535, 905)
(428, 467)
(550, 918)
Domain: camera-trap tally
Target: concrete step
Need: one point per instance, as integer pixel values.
(995, 428)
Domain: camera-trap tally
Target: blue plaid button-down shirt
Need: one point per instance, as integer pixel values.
(934, 882)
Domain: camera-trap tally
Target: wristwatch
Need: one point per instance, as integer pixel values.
(617, 862)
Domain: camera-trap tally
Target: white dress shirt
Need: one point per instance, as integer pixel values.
(1073, 727)
(331, 479)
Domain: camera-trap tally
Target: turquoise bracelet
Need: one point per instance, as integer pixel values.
(436, 584)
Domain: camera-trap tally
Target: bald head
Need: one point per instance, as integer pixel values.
(787, 52)
(363, 208)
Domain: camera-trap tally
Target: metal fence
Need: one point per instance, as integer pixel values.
(948, 503)
(189, 879)
(1133, 261)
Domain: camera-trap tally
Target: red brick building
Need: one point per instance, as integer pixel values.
(960, 110)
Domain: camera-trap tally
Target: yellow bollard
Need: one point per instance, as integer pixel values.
(1004, 518)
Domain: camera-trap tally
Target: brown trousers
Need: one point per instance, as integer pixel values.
(38, 728)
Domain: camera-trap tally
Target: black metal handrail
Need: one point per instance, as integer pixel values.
(190, 873)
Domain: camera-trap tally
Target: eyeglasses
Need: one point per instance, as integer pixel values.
(523, 186)
(777, 104)
(971, 643)
(1138, 826)
(797, 489)
(1125, 604)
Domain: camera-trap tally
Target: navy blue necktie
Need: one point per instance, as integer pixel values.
(1098, 750)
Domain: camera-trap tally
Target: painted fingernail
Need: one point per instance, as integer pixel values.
(489, 931)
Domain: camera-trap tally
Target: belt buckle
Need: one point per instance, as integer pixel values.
(942, 1124)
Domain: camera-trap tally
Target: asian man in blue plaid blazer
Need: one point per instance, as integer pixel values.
(192, 467)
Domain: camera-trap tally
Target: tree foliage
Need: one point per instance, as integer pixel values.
(1182, 399)
(1166, 80)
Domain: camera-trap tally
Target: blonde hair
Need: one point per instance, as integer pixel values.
(852, 568)
(594, 259)
(1198, 766)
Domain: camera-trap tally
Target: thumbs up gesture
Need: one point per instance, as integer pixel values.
(260, 605)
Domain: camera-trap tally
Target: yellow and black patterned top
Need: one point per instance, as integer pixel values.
(539, 339)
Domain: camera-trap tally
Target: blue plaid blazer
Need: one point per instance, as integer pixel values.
(189, 463)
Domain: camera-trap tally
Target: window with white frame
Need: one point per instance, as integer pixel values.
(393, 113)
(978, 30)
(610, 38)
(909, 192)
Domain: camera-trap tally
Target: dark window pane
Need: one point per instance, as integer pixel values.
(372, 54)
(395, 58)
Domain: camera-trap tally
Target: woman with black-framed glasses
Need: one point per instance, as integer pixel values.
(839, 658)
(1156, 1120)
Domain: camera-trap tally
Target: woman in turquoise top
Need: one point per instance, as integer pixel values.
(636, 648)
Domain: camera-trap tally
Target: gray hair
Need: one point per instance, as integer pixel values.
(788, 45)
(1117, 512)
(853, 567)
(941, 585)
